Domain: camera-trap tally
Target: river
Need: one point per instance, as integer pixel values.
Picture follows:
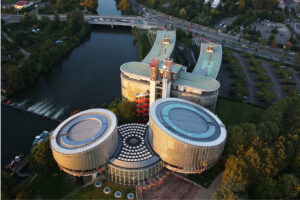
(89, 76)
(108, 7)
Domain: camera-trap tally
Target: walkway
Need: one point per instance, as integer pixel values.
(276, 85)
(251, 83)
(173, 187)
(204, 193)
(23, 51)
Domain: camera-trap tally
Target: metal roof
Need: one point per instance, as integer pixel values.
(187, 122)
(134, 151)
(160, 50)
(208, 64)
(197, 81)
(83, 131)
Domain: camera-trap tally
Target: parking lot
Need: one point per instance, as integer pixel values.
(266, 27)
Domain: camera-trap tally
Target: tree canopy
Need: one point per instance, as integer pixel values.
(262, 160)
(41, 159)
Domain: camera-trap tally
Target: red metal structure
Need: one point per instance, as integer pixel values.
(142, 107)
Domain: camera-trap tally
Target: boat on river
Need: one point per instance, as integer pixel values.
(41, 137)
(15, 163)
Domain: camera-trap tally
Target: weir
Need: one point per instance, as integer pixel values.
(25, 110)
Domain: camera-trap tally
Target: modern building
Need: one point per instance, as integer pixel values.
(23, 4)
(157, 76)
(83, 143)
(181, 136)
(187, 137)
(135, 160)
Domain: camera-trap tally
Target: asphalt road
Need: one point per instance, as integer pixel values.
(159, 19)
(225, 39)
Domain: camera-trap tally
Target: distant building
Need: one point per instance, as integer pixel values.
(157, 76)
(23, 4)
(281, 4)
(215, 3)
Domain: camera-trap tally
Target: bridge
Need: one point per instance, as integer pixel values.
(131, 21)
(159, 20)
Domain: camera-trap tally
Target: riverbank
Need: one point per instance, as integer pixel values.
(46, 42)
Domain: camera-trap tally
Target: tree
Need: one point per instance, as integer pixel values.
(297, 62)
(127, 111)
(182, 12)
(266, 189)
(7, 183)
(15, 78)
(242, 5)
(123, 5)
(56, 21)
(92, 4)
(75, 21)
(41, 158)
(22, 191)
(289, 186)
(153, 2)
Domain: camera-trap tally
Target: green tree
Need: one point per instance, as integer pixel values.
(297, 62)
(266, 189)
(7, 183)
(56, 21)
(289, 186)
(41, 158)
(126, 111)
(15, 78)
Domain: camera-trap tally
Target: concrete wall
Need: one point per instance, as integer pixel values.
(130, 87)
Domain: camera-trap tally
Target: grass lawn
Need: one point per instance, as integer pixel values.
(91, 192)
(206, 178)
(234, 112)
(52, 187)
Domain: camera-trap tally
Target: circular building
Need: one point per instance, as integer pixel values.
(134, 161)
(84, 142)
(186, 136)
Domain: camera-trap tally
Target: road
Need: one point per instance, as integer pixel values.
(225, 39)
(23, 51)
(155, 19)
(276, 85)
(251, 83)
(136, 21)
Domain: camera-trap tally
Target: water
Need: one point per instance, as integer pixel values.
(108, 7)
(18, 130)
(88, 76)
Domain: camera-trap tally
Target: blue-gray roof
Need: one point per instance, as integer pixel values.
(187, 121)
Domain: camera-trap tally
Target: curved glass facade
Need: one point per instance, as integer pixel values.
(130, 177)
